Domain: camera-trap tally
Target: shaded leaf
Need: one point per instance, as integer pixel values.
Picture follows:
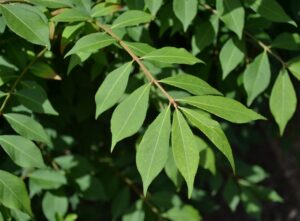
(231, 194)
(44, 70)
(294, 67)
(47, 179)
(27, 22)
(288, 41)
(36, 100)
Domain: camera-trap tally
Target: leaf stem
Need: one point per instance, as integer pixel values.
(25, 70)
(148, 74)
(267, 49)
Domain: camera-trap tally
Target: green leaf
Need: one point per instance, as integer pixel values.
(212, 130)
(185, 11)
(53, 3)
(294, 67)
(231, 55)
(191, 84)
(205, 34)
(153, 5)
(47, 179)
(139, 49)
(112, 88)
(36, 100)
(257, 77)
(172, 171)
(185, 151)
(232, 14)
(43, 70)
(131, 18)
(186, 212)
(54, 204)
(172, 55)
(72, 15)
(27, 22)
(27, 127)
(104, 9)
(223, 107)
(129, 115)
(91, 43)
(152, 152)
(208, 160)
(288, 41)
(22, 151)
(13, 193)
(270, 10)
(283, 100)
(231, 194)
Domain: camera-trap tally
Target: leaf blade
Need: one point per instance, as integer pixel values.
(152, 153)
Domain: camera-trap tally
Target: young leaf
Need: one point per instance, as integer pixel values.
(13, 193)
(294, 67)
(283, 100)
(27, 22)
(172, 55)
(112, 88)
(232, 53)
(44, 70)
(72, 15)
(185, 11)
(47, 179)
(91, 43)
(131, 18)
(22, 151)
(27, 127)
(191, 84)
(129, 115)
(153, 5)
(212, 130)
(152, 153)
(36, 100)
(185, 151)
(270, 10)
(232, 14)
(257, 77)
(223, 107)
(104, 9)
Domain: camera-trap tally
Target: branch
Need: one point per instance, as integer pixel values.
(260, 43)
(151, 78)
(267, 49)
(25, 70)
